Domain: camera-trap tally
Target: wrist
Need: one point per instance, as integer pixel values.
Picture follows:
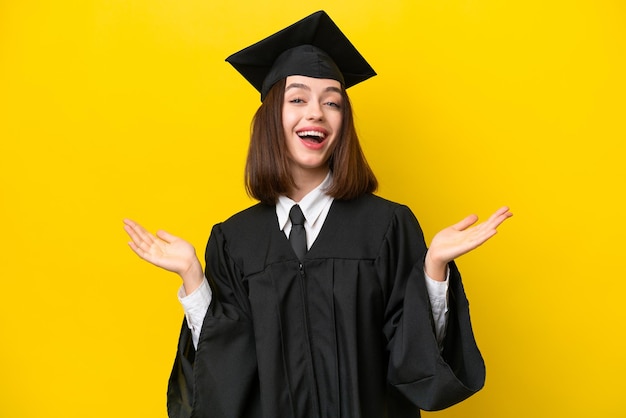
(435, 269)
(192, 277)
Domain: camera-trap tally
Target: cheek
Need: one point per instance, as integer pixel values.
(337, 124)
(286, 124)
(337, 133)
(289, 118)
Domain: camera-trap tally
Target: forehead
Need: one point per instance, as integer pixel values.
(311, 83)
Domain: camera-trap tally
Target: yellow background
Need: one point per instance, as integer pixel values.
(113, 109)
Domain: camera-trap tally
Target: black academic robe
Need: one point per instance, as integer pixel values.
(346, 333)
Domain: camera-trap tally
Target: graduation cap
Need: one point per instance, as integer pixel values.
(312, 47)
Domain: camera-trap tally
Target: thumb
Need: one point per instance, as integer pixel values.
(166, 236)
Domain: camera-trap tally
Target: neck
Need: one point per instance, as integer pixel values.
(306, 180)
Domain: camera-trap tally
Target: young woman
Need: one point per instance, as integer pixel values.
(322, 300)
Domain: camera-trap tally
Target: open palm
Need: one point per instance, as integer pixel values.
(462, 237)
(163, 249)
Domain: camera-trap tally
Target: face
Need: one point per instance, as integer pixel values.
(312, 116)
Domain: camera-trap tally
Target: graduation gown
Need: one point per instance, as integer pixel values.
(346, 333)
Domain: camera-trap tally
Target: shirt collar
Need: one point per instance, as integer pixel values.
(312, 204)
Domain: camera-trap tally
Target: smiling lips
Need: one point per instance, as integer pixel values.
(312, 136)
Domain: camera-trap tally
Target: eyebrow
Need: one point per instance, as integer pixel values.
(305, 87)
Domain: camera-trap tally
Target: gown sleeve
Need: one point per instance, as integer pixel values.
(428, 377)
(219, 378)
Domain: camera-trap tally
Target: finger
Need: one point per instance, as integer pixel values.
(139, 239)
(488, 229)
(144, 249)
(141, 253)
(134, 226)
(144, 255)
(131, 233)
(498, 217)
(139, 233)
(465, 223)
(129, 226)
(504, 210)
(166, 236)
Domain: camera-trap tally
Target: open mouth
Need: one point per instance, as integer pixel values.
(312, 136)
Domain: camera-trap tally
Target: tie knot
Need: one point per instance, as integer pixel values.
(296, 215)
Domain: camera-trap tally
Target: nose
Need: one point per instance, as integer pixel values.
(314, 111)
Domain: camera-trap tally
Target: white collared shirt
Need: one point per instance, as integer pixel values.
(315, 206)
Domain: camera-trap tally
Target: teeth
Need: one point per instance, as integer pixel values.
(312, 133)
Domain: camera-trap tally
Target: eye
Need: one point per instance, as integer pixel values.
(335, 105)
(296, 100)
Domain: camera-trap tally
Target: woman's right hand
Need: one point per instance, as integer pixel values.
(168, 252)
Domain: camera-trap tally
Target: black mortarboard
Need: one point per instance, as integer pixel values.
(312, 47)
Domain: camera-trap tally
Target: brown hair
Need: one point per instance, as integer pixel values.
(267, 167)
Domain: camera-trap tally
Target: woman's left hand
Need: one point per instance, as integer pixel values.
(459, 239)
